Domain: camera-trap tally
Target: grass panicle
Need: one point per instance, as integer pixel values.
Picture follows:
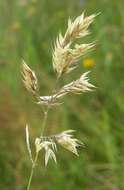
(66, 56)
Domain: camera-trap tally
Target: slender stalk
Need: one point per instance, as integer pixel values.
(32, 171)
(42, 131)
(48, 107)
(44, 122)
(37, 153)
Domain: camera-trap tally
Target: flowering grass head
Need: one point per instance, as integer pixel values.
(65, 58)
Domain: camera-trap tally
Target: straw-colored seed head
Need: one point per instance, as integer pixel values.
(49, 148)
(78, 86)
(66, 140)
(28, 144)
(78, 28)
(65, 58)
(29, 78)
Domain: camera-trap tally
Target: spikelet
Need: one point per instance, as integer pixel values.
(66, 140)
(78, 86)
(29, 78)
(28, 144)
(78, 28)
(64, 57)
(48, 146)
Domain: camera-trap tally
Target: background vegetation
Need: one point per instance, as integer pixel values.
(28, 29)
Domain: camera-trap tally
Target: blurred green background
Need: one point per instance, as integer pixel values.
(28, 29)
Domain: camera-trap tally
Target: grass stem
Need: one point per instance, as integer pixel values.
(42, 131)
(32, 172)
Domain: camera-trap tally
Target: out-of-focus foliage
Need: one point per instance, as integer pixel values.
(28, 29)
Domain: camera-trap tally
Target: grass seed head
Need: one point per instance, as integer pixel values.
(29, 78)
(66, 140)
(64, 56)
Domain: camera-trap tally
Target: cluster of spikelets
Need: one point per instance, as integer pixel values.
(65, 139)
(66, 55)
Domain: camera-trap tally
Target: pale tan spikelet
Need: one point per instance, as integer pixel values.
(66, 59)
(29, 78)
(78, 86)
(78, 28)
(60, 57)
(64, 56)
(49, 154)
(81, 49)
(66, 140)
(38, 144)
(49, 146)
(75, 54)
(28, 144)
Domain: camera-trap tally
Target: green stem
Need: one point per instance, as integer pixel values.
(36, 157)
(48, 107)
(44, 122)
(42, 131)
(32, 172)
